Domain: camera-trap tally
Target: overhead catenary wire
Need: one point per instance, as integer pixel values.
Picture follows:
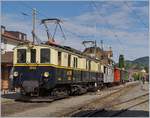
(62, 31)
(75, 33)
(29, 7)
(108, 24)
(106, 21)
(45, 16)
(115, 35)
(48, 17)
(135, 13)
(55, 31)
(38, 40)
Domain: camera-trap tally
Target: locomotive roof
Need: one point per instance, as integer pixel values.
(70, 49)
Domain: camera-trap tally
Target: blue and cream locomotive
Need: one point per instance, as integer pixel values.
(51, 69)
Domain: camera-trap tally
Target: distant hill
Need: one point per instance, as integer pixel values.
(139, 63)
(142, 60)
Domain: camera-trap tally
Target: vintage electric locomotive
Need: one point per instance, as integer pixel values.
(49, 69)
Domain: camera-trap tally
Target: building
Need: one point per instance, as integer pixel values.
(103, 55)
(9, 40)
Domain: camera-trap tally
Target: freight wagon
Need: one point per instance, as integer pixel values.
(108, 75)
(117, 77)
(124, 76)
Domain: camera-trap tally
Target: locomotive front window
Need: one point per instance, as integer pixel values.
(33, 55)
(21, 56)
(45, 56)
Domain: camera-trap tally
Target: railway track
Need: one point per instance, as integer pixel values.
(109, 110)
(54, 98)
(118, 92)
(103, 112)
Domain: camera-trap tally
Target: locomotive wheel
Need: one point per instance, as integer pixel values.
(93, 87)
(43, 92)
(59, 92)
(78, 90)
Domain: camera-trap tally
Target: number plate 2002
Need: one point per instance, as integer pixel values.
(32, 67)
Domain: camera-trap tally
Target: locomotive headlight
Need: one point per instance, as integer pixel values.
(15, 74)
(46, 74)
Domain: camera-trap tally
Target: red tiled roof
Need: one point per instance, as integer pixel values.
(10, 36)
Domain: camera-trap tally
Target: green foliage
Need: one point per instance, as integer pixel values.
(136, 76)
(121, 61)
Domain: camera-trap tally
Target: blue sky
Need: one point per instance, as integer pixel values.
(121, 25)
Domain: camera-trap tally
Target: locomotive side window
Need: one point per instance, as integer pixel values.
(75, 62)
(33, 55)
(59, 58)
(69, 60)
(21, 55)
(86, 64)
(89, 65)
(45, 55)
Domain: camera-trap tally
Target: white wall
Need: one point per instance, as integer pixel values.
(9, 47)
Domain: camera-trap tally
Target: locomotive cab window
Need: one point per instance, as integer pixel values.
(45, 55)
(33, 55)
(21, 55)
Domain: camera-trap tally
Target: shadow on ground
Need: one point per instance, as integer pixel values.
(10, 95)
(112, 113)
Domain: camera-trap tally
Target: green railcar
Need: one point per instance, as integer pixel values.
(124, 76)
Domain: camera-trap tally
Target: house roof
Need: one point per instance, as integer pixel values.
(11, 37)
(91, 49)
(108, 52)
(98, 51)
(7, 57)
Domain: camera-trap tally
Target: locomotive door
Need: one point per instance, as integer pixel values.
(69, 75)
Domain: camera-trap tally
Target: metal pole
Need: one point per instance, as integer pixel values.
(95, 48)
(33, 21)
(102, 44)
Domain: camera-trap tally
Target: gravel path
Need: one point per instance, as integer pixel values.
(136, 110)
(57, 107)
(138, 107)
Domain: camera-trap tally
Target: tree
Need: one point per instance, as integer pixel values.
(136, 76)
(121, 61)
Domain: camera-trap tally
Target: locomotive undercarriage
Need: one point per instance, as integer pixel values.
(62, 89)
